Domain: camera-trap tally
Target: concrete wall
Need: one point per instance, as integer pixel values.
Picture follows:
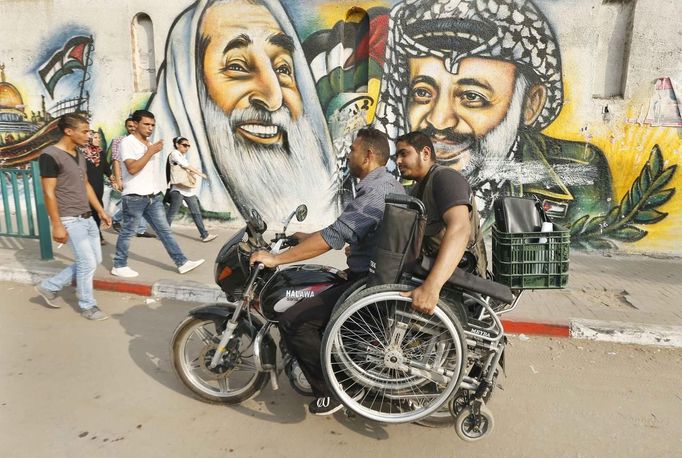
(595, 133)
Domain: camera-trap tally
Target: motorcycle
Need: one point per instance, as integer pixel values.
(434, 370)
(226, 353)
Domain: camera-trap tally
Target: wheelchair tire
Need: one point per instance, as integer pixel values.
(389, 363)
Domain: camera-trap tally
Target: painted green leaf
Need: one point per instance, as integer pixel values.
(612, 215)
(664, 178)
(645, 178)
(638, 206)
(649, 217)
(601, 244)
(593, 226)
(655, 163)
(657, 199)
(624, 206)
(577, 226)
(628, 234)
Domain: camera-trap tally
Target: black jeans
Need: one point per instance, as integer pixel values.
(302, 327)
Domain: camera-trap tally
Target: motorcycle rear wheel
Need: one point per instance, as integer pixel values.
(233, 381)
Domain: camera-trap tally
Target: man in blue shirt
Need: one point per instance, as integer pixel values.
(303, 324)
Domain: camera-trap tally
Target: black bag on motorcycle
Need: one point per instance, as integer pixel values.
(399, 240)
(518, 214)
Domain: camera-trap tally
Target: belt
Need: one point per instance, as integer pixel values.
(85, 215)
(149, 196)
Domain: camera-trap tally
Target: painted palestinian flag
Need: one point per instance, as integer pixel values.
(65, 61)
(347, 56)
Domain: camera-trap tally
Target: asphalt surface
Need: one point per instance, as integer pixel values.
(71, 387)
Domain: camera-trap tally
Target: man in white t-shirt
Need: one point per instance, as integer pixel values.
(142, 196)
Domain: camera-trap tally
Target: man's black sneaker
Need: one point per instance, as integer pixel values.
(116, 226)
(324, 406)
(147, 234)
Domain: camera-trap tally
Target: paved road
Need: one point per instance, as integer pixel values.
(70, 387)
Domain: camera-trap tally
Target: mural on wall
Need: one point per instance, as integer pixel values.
(239, 88)
(483, 79)
(270, 94)
(23, 137)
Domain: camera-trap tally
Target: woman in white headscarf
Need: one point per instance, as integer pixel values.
(273, 184)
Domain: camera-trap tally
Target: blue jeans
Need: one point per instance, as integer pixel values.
(194, 210)
(118, 218)
(85, 245)
(151, 208)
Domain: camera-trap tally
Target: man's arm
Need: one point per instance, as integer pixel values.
(118, 181)
(59, 233)
(135, 165)
(311, 246)
(453, 245)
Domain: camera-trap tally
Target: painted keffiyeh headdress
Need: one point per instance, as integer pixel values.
(509, 30)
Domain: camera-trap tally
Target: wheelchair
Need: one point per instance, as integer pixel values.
(389, 363)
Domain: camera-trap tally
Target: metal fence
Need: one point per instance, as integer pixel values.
(24, 213)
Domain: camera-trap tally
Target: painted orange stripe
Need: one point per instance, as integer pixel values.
(140, 289)
(525, 327)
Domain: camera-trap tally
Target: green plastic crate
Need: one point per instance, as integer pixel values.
(531, 260)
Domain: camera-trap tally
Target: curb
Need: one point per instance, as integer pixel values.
(189, 291)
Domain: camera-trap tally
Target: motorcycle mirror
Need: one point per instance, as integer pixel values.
(301, 212)
(258, 221)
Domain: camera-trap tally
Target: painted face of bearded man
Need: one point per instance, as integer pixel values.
(250, 107)
(455, 74)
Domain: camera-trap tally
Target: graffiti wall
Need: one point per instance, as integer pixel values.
(575, 102)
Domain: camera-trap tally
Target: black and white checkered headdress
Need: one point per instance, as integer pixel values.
(510, 30)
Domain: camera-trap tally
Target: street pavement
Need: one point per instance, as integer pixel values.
(70, 387)
(630, 298)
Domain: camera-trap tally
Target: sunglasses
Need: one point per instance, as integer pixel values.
(186, 145)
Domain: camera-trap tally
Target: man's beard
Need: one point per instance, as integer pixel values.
(273, 179)
(485, 158)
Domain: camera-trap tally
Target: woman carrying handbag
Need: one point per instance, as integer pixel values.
(183, 180)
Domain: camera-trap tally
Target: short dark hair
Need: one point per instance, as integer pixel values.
(128, 119)
(71, 121)
(419, 141)
(139, 114)
(377, 141)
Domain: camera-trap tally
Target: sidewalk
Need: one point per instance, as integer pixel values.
(619, 298)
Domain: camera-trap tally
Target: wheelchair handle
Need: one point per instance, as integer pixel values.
(409, 201)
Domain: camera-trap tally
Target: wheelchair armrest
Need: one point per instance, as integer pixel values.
(470, 282)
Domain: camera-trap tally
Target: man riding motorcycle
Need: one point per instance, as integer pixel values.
(302, 325)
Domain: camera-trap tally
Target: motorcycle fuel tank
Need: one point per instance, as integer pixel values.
(291, 285)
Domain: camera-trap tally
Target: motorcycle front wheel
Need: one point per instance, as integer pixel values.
(234, 380)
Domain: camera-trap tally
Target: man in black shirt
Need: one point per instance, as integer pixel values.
(447, 197)
(69, 198)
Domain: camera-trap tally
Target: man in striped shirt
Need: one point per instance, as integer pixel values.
(303, 324)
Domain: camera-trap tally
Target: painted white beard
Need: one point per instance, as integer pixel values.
(489, 160)
(270, 178)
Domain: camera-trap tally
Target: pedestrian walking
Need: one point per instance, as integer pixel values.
(143, 184)
(188, 190)
(116, 166)
(98, 168)
(68, 199)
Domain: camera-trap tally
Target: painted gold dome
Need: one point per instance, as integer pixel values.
(10, 97)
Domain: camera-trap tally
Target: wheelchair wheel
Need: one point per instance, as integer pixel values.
(471, 427)
(389, 363)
